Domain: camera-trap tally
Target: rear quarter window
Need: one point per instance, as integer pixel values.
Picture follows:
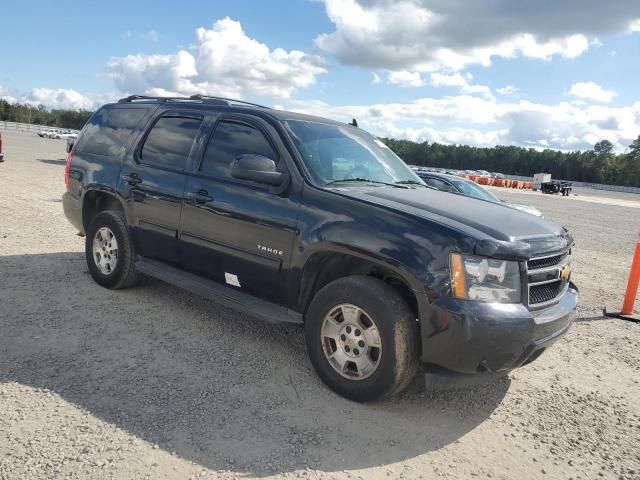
(109, 130)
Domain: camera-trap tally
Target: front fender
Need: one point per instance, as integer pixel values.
(416, 251)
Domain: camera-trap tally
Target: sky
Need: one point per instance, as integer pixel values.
(560, 74)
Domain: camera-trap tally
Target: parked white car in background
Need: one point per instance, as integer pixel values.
(59, 133)
(67, 133)
(47, 132)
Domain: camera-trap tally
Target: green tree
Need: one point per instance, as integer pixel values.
(599, 165)
(634, 149)
(603, 148)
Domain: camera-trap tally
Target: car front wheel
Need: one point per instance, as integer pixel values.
(362, 338)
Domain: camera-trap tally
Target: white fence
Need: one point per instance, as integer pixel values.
(25, 127)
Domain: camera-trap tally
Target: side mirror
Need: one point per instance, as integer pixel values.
(257, 168)
(70, 143)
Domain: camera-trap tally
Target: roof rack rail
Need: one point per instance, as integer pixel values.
(131, 98)
(192, 98)
(229, 101)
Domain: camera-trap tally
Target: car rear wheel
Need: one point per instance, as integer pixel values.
(362, 338)
(110, 251)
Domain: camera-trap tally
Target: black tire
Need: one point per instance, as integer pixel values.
(397, 329)
(123, 275)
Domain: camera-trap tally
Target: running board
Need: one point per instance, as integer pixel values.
(226, 296)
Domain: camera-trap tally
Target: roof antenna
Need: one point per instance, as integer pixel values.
(354, 123)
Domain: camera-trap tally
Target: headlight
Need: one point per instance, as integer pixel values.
(485, 279)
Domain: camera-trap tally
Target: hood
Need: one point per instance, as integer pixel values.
(496, 228)
(526, 208)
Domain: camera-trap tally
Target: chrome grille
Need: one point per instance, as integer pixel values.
(544, 293)
(544, 262)
(545, 280)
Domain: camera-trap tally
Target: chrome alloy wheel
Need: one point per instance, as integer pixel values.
(105, 250)
(351, 342)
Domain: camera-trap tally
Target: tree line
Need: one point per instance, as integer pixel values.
(598, 165)
(40, 115)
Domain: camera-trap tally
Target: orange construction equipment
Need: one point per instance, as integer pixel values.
(632, 290)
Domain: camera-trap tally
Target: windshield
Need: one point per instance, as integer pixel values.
(473, 190)
(335, 153)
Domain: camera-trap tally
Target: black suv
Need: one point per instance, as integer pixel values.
(299, 219)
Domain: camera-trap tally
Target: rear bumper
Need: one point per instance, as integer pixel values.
(474, 337)
(73, 210)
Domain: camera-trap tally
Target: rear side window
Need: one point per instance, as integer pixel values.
(169, 142)
(229, 140)
(109, 129)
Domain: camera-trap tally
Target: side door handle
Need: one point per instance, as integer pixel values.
(201, 196)
(132, 179)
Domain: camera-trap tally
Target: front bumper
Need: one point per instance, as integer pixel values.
(472, 337)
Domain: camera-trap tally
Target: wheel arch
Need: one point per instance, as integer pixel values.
(323, 267)
(95, 201)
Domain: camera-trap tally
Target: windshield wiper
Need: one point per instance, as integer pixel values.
(413, 182)
(364, 180)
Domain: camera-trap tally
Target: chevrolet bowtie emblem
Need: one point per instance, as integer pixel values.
(565, 272)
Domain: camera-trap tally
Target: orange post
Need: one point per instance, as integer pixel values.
(627, 312)
(632, 284)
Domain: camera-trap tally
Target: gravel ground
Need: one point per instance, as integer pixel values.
(153, 382)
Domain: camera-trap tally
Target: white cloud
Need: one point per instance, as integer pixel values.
(151, 35)
(6, 95)
(60, 98)
(50, 97)
(405, 78)
(458, 80)
(508, 90)
(224, 61)
(433, 35)
(591, 91)
(466, 119)
(442, 80)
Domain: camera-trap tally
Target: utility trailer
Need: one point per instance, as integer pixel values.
(544, 183)
(556, 186)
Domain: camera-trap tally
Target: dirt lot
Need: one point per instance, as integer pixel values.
(153, 382)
